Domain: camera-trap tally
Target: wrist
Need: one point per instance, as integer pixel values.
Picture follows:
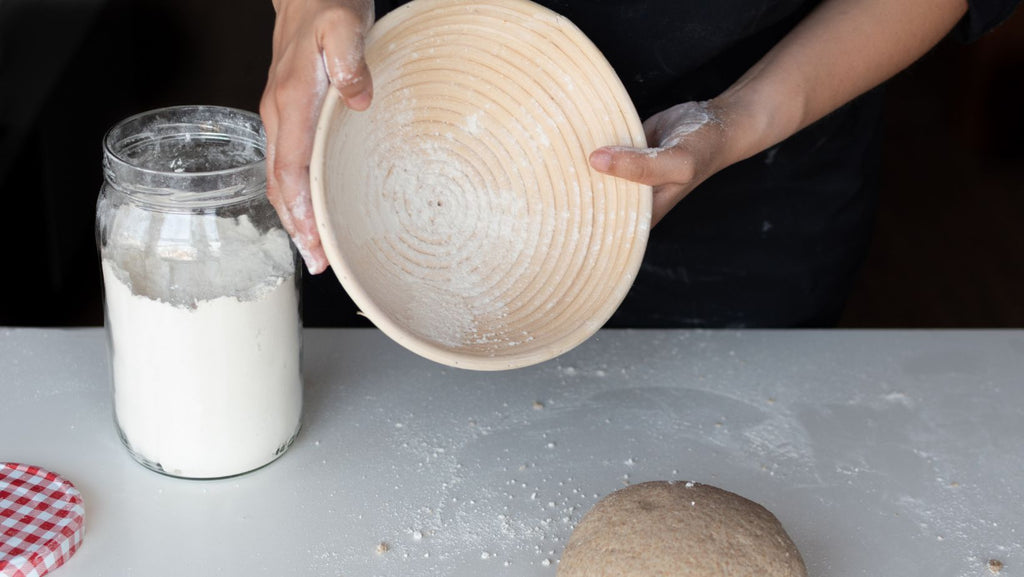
(755, 117)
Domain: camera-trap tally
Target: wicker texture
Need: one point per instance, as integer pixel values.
(460, 212)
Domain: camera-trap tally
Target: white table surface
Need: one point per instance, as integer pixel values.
(882, 452)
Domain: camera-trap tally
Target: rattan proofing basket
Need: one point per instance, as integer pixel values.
(460, 212)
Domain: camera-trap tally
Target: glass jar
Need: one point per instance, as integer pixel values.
(201, 294)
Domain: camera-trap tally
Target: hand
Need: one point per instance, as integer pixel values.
(687, 142)
(316, 43)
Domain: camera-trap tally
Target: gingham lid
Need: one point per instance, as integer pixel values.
(42, 520)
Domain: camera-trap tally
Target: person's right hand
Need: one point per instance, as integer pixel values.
(317, 43)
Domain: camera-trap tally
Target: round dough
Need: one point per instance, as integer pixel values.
(679, 529)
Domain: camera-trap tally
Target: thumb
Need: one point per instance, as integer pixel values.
(350, 75)
(650, 166)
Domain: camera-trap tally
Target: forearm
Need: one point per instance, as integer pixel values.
(841, 50)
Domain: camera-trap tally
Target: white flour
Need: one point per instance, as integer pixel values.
(673, 125)
(447, 234)
(212, 387)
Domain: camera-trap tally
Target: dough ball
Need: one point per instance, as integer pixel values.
(679, 529)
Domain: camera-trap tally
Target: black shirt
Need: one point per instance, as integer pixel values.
(771, 241)
(775, 240)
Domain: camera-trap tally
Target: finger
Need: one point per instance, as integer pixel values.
(291, 175)
(342, 49)
(650, 166)
(297, 98)
(268, 113)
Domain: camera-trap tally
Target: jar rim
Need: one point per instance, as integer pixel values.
(235, 182)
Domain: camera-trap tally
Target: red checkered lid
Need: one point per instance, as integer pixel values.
(41, 520)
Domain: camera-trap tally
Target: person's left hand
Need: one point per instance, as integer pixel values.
(686, 141)
(316, 44)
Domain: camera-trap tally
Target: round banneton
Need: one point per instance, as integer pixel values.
(460, 212)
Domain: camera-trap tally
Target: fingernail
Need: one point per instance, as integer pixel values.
(317, 266)
(601, 160)
(360, 101)
(315, 262)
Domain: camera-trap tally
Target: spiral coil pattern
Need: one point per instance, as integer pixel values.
(460, 211)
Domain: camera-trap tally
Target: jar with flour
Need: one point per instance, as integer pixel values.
(200, 293)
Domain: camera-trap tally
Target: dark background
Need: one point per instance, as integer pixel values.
(948, 250)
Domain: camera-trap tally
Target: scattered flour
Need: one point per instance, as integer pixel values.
(446, 233)
(459, 207)
(676, 123)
